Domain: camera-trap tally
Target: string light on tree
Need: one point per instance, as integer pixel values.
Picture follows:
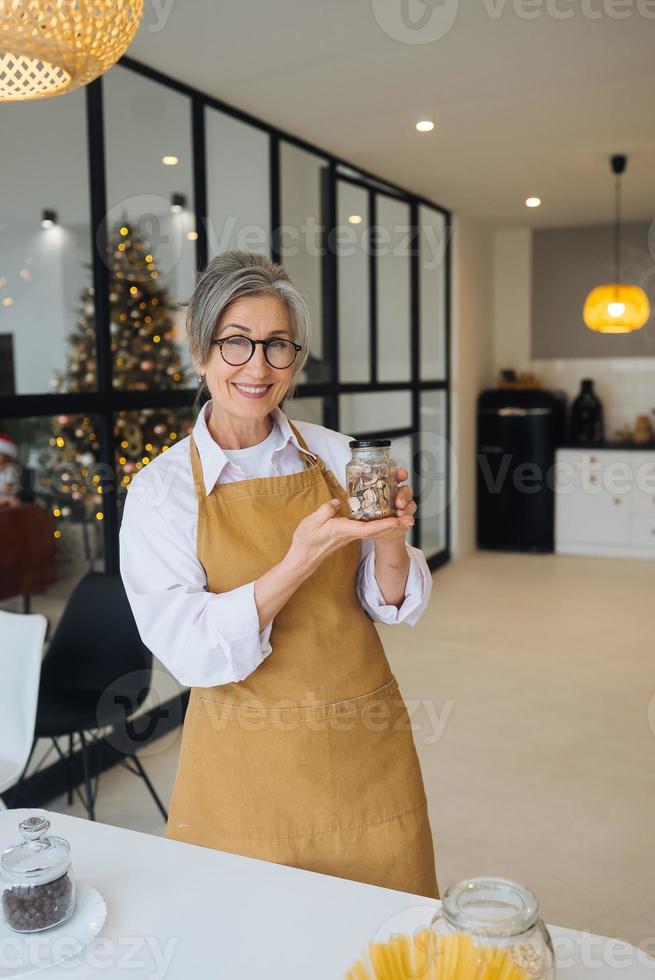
(145, 356)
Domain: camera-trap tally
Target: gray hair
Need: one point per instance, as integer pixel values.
(230, 276)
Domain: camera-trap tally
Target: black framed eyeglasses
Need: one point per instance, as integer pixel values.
(239, 350)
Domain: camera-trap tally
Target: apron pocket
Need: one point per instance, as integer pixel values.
(290, 771)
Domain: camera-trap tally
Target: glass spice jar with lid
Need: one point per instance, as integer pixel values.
(38, 889)
(371, 480)
(495, 923)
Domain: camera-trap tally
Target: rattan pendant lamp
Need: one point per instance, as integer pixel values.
(49, 47)
(616, 307)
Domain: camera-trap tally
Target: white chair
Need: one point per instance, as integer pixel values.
(21, 650)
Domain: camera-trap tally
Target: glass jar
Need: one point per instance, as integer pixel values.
(371, 480)
(38, 890)
(499, 919)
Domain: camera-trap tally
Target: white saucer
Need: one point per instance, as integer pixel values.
(21, 954)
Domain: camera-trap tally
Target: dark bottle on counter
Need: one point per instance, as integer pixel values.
(587, 427)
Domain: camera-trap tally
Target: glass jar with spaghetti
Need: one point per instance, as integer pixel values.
(494, 925)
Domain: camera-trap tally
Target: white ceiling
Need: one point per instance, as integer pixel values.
(523, 105)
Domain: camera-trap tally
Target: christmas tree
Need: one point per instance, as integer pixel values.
(145, 356)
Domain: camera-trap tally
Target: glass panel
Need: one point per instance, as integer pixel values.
(305, 409)
(301, 223)
(140, 436)
(375, 412)
(55, 535)
(44, 271)
(393, 289)
(238, 187)
(401, 451)
(431, 469)
(150, 227)
(433, 246)
(353, 283)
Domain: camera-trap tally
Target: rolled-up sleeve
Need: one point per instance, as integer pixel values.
(202, 638)
(417, 589)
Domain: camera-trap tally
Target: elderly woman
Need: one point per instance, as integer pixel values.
(250, 583)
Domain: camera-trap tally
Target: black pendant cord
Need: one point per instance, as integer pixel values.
(617, 229)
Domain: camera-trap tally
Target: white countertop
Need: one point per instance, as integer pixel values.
(182, 912)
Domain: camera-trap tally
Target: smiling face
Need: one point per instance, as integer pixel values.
(259, 318)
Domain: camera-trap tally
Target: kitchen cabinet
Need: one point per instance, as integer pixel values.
(605, 502)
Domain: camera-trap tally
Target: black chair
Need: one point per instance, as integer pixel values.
(96, 674)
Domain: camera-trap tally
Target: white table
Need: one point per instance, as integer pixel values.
(180, 911)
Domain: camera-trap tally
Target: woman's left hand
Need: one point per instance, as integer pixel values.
(405, 507)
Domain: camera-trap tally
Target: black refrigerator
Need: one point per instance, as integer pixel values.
(517, 434)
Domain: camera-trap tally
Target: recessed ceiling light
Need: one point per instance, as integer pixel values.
(48, 218)
(178, 203)
(355, 219)
(192, 236)
(170, 161)
(532, 202)
(425, 126)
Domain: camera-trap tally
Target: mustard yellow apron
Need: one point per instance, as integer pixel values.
(310, 760)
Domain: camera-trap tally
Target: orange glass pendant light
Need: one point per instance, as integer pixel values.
(48, 47)
(616, 307)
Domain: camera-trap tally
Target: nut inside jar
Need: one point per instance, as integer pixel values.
(371, 491)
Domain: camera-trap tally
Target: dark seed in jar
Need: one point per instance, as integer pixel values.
(30, 907)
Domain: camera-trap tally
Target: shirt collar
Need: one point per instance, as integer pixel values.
(212, 458)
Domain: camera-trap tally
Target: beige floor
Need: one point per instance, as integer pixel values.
(529, 679)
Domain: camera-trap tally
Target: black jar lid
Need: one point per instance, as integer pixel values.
(368, 443)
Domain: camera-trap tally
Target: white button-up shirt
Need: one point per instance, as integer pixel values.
(206, 638)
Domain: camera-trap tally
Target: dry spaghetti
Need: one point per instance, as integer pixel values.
(427, 956)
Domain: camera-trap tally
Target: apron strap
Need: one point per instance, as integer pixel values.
(196, 469)
(306, 451)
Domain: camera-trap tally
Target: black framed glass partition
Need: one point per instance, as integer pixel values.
(45, 245)
(300, 245)
(129, 187)
(238, 192)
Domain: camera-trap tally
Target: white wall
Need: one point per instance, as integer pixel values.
(626, 385)
(512, 296)
(472, 366)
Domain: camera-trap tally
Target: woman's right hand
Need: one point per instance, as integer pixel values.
(321, 533)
